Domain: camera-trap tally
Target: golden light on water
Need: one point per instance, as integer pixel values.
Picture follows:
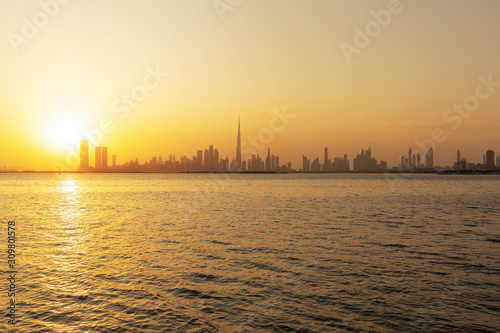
(70, 230)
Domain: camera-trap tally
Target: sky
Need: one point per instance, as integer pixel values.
(160, 77)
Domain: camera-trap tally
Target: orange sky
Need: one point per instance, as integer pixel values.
(68, 67)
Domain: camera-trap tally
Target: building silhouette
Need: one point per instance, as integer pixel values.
(326, 161)
(429, 159)
(306, 164)
(101, 158)
(98, 158)
(238, 146)
(490, 160)
(339, 164)
(410, 159)
(84, 155)
(461, 163)
(104, 158)
(365, 161)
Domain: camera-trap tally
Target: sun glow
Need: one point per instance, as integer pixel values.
(64, 129)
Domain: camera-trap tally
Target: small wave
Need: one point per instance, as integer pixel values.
(401, 246)
(493, 240)
(220, 242)
(208, 277)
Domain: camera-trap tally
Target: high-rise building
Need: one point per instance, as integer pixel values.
(410, 158)
(306, 164)
(238, 145)
(98, 158)
(268, 160)
(199, 160)
(104, 159)
(490, 160)
(364, 161)
(461, 163)
(429, 159)
(84, 155)
(418, 160)
(327, 163)
(114, 161)
(316, 165)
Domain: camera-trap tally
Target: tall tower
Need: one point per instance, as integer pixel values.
(104, 159)
(326, 164)
(84, 155)
(268, 159)
(238, 145)
(429, 158)
(490, 160)
(98, 158)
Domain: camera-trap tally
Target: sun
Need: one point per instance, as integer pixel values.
(63, 130)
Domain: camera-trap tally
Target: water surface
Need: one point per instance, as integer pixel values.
(254, 253)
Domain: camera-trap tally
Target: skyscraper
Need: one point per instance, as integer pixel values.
(327, 162)
(429, 159)
(306, 164)
(98, 158)
(238, 145)
(364, 161)
(104, 159)
(410, 158)
(84, 155)
(268, 160)
(490, 160)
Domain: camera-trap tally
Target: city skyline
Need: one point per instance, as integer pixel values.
(210, 160)
(388, 90)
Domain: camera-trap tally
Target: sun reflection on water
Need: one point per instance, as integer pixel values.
(69, 250)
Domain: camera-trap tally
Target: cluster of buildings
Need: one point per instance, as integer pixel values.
(363, 162)
(338, 164)
(209, 160)
(415, 162)
(461, 163)
(204, 161)
(101, 158)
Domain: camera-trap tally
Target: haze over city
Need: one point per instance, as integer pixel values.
(404, 80)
